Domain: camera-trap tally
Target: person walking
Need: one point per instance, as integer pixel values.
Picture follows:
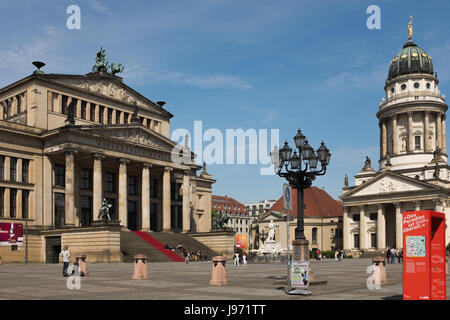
(336, 255)
(400, 255)
(186, 257)
(244, 260)
(393, 255)
(65, 254)
(236, 259)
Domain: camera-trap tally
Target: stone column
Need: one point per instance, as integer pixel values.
(70, 189)
(381, 227)
(362, 228)
(166, 201)
(426, 131)
(346, 229)
(146, 197)
(19, 204)
(186, 203)
(394, 135)
(78, 111)
(123, 193)
(398, 225)
(97, 193)
(6, 169)
(410, 132)
(7, 203)
(439, 130)
(384, 134)
(444, 136)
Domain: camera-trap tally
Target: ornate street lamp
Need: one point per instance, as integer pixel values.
(300, 170)
(288, 165)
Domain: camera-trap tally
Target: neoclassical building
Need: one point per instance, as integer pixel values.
(413, 167)
(69, 141)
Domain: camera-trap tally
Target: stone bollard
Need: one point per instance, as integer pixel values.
(219, 273)
(380, 262)
(81, 262)
(140, 267)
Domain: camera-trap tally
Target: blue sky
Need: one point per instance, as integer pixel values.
(245, 64)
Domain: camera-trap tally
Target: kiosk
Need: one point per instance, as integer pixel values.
(424, 255)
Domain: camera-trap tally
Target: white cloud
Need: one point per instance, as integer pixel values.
(99, 7)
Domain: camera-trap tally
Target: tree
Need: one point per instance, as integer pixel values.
(218, 220)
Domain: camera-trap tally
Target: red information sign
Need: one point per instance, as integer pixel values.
(424, 255)
(10, 234)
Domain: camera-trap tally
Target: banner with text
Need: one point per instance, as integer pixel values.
(242, 241)
(10, 234)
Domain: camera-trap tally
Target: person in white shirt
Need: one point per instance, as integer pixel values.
(236, 259)
(244, 260)
(66, 259)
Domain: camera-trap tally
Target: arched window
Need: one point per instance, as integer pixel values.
(314, 236)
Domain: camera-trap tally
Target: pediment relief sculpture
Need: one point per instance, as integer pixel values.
(108, 89)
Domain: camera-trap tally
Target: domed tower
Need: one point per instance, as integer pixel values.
(412, 116)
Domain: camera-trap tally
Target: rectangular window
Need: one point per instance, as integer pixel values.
(356, 217)
(110, 112)
(83, 110)
(25, 166)
(100, 114)
(373, 216)
(86, 179)
(132, 185)
(153, 184)
(86, 211)
(2, 168)
(60, 175)
(25, 196)
(356, 241)
(93, 106)
(110, 182)
(13, 203)
(2, 202)
(373, 240)
(118, 117)
(417, 142)
(65, 99)
(59, 210)
(13, 167)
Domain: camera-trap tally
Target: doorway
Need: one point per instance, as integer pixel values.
(132, 215)
(52, 249)
(390, 226)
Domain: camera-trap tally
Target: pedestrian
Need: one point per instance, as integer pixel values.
(318, 255)
(336, 254)
(400, 255)
(65, 254)
(244, 260)
(236, 259)
(388, 255)
(186, 257)
(393, 255)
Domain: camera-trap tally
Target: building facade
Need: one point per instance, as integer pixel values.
(238, 217)
(258, 209)
(69, 141)
(322, 219)
(413, 166)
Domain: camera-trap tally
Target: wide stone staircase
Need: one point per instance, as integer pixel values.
(152, 245)
(372, 254)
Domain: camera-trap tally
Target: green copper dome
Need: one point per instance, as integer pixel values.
(411, 59)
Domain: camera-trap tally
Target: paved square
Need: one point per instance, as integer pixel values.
(346, 280)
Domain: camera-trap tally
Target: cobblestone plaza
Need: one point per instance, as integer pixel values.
(346, 280)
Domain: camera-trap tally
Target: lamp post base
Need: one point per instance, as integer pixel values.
(300, 248)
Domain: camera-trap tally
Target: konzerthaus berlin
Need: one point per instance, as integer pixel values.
(67, 142)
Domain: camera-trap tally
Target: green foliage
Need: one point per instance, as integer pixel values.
(218, 220)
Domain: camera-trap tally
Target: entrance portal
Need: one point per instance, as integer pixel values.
(132, 216)
(390, 226)
(52, 249)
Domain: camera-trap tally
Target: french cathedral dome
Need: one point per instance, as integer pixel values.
(411, 59)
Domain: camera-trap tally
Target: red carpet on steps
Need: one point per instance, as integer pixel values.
(158, 245)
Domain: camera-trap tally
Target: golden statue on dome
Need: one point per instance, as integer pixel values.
(410, 29)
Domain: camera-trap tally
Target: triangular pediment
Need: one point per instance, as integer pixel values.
(108, 86)
(389, 183)
(133, 134)
(271, 215)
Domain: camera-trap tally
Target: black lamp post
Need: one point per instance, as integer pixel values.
(300, 170)
(288, 165)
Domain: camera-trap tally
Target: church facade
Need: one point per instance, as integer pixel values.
(413, 166)
(69, 142)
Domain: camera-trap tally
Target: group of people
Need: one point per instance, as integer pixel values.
(392, 254)
(339, 254)
(190, 255)
(237, 259)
